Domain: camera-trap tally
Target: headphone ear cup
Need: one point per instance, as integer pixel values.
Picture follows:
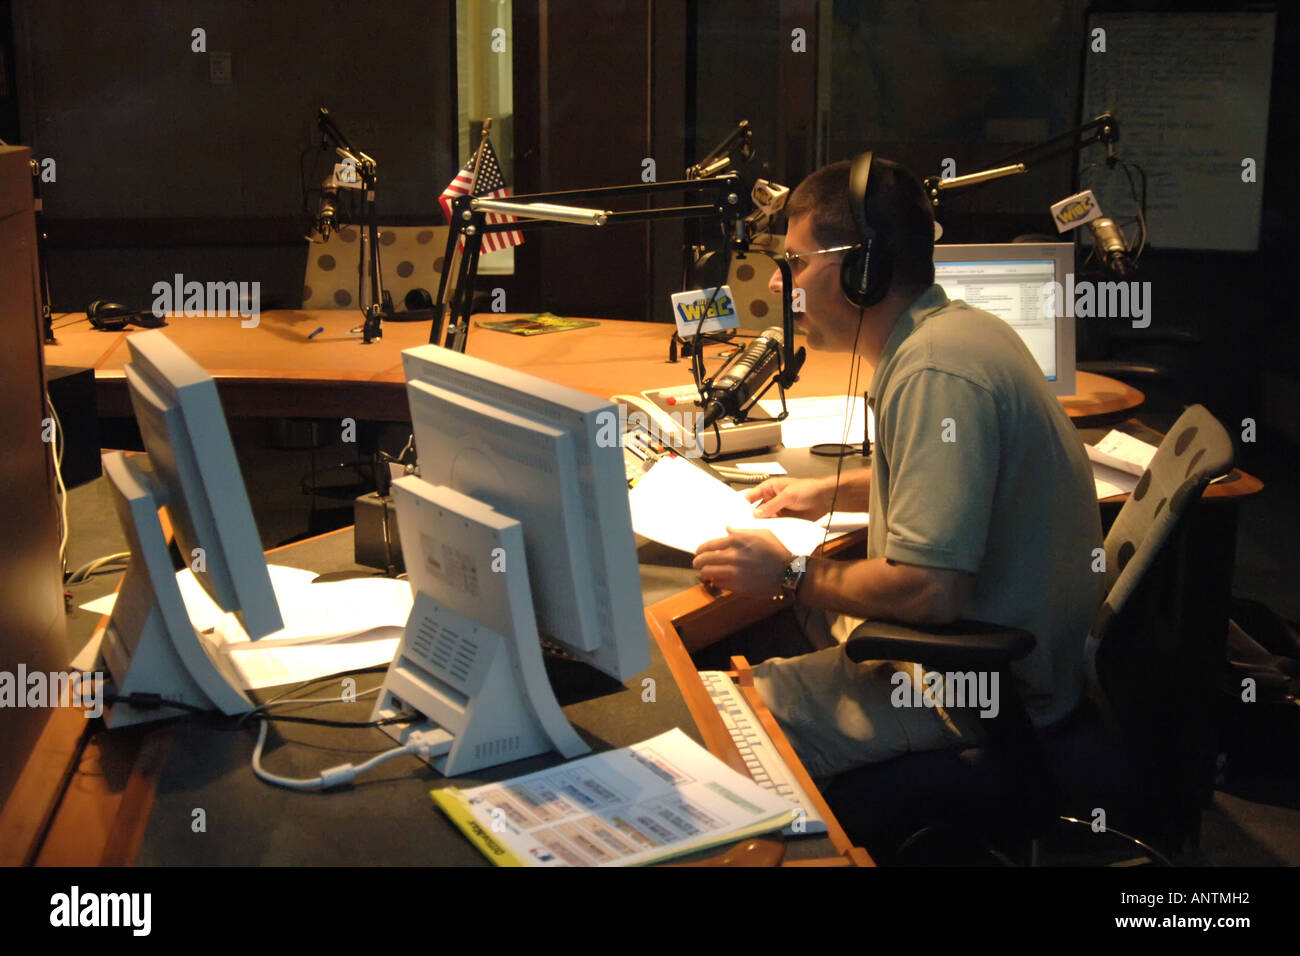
(852, 276)
(418, 299)
(865, 274)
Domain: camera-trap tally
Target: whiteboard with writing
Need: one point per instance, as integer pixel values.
(1190, 92)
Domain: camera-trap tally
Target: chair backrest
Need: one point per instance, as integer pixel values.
(1196, 451)
(411, 256)
(1151, 660)
(758, 307)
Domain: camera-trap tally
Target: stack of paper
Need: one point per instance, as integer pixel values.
(662, 798)
(681, 506)
(329, 628)
(1118, 461)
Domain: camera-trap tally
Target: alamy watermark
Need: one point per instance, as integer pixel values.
(1086, 299)
(76, 908)
(676, 429)
(948, 689)
(196, 298)
(53, 689)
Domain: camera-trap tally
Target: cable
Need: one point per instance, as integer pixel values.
(90, 568)
(58, 477)
(855, 370)
(425, 744)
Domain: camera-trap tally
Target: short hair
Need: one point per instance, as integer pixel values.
(896, 208)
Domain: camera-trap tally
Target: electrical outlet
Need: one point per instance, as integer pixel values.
(219, 67)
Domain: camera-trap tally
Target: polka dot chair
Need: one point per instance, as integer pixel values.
(1195, 452)
(411, 259)
(1141, 747)
(748, 278)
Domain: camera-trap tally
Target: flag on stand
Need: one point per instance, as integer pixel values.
(489, 185)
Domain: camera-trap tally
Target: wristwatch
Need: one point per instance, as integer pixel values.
(793, 574)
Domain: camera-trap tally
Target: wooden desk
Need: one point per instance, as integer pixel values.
(274, 370)
(93, 797)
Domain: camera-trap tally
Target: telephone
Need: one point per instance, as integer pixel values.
(670, 415)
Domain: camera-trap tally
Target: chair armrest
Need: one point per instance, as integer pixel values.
(959, 645)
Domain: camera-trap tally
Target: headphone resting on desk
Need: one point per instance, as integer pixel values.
(114, 316)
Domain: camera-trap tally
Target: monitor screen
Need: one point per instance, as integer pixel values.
(1014, 282)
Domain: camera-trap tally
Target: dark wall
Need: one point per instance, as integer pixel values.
(152, 156)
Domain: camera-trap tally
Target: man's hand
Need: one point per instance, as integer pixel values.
(792, 497)
(750, 562)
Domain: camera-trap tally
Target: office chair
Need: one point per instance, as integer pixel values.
(1140, 749)
(412, 260)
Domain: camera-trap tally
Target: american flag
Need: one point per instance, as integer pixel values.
(489, 185)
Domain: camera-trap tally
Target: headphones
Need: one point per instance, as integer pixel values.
(866, 271)
(114, 317)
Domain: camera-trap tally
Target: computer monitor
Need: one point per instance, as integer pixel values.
(518, 523)
(189, 469)
(1014, 282)
(550, 457)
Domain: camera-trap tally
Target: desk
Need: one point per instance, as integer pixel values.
(133, 794)
(335, 376)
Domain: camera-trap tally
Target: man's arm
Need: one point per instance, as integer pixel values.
(752, 562)
(879, 588)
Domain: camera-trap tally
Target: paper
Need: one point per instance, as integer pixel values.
(679, 505)
(760, 467)
(662, 798)
(329, 627)
(1111, 481)
(101, 605)
(260, 667)
(842, 522)
(1122, 452)
(326, 611)
(820, 419)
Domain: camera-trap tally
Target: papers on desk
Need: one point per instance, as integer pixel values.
(679, 505)
(662, 798)
(820, 419)
(1118, 461)
(329, 627)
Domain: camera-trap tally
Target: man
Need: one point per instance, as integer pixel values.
(980, 493)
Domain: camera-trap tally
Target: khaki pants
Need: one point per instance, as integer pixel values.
(840, 715)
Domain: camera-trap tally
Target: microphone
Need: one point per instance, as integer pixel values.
(327, 216)
(769, 199)
(1074, 211)
(745, 378)
(1110, 245)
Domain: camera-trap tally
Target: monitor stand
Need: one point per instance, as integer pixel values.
(470, 660)
(149, 645)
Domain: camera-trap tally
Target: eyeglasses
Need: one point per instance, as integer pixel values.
(798, 259)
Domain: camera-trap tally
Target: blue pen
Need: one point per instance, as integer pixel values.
(316, 333)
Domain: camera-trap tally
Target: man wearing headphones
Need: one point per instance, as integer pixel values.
(980, 492)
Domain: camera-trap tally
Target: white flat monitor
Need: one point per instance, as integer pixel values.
(189, 469)
(1014, 282)
(470, 662)
(550, 457)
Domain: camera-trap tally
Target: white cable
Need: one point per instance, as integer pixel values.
(58, 476)
(417, 743)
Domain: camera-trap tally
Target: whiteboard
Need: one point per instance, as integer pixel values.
(1190, 92)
